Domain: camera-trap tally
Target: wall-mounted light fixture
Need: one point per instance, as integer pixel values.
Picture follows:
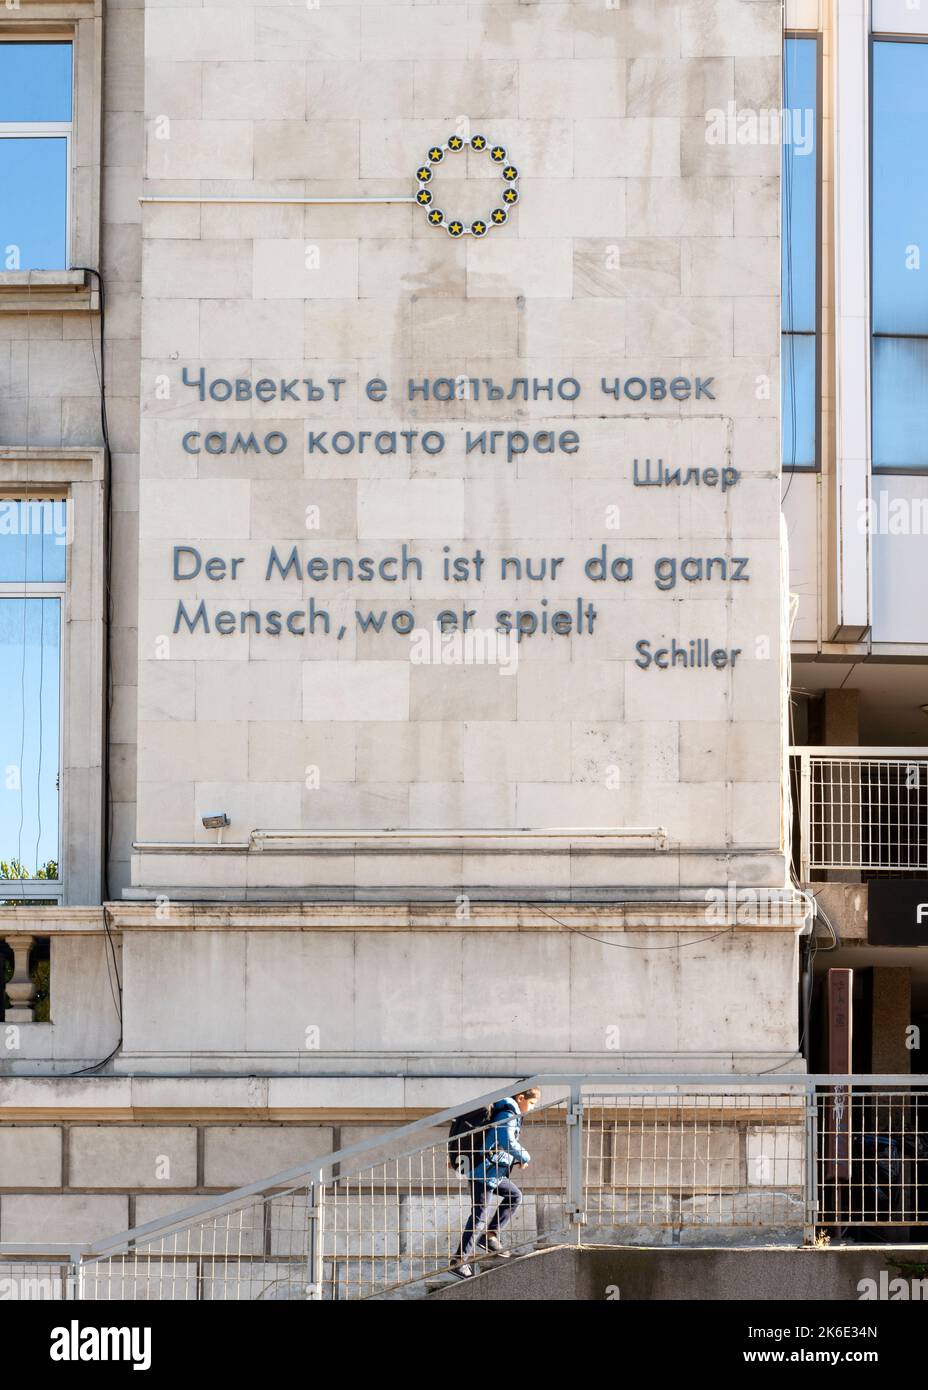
(218, 822)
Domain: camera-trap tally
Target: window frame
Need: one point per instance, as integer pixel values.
(41, 589)
(883, 470)
(80, 23)
(809, 469)
(50, 130)
(76, 474)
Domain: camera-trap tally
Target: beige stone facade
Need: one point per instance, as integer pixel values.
(451, 866)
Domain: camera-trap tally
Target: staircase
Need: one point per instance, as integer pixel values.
(617, 1162)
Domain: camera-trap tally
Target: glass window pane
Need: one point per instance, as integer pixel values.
(900, 187)
(35, 82)
(33, 203)
(800, 187)
(797, 377)
(33, 541)
(900, 403)
(30, 646)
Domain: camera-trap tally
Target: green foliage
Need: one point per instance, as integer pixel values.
(40, 978)
(911, 1269)
(16, 869)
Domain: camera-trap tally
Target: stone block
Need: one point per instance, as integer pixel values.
(254, 91)
(132, 1156)
(198, 149)
(242, 1154)
(30, 1156)
(61, 1218)
(356, 692)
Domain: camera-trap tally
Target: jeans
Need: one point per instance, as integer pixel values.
(510, 1199)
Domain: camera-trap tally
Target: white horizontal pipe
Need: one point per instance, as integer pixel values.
(301, 202)
(258, 839)
(186, 846)
(491, 833)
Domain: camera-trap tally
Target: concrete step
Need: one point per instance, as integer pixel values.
(592, 1273)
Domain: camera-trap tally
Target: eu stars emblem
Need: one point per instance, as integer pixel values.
(456, 226)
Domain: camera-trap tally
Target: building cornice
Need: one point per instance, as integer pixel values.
(777, 910)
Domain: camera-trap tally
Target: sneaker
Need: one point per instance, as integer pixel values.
(460, 1269)
(491, 1243)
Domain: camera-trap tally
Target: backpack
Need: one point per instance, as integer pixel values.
(466, 1136)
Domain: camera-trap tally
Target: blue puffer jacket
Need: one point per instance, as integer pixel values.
(501, 1147)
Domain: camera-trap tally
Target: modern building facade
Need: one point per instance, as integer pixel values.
(395, 598)
(854, 497)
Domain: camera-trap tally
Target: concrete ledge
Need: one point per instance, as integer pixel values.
(40, 465)
(776, 910)
(395, 1098)
(46, 292)
(591, 1273)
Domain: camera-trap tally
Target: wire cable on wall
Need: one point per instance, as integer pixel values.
(100, 369)
(23, 507)
(41, 700)
(107, 816)
(112, 971)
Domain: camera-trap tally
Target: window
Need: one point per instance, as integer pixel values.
(33, 550)
(35, 154)
(52, 639)
(799, 372)
(899, 280)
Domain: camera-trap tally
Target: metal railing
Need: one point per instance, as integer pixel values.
(645, 1159)
(862, 809)
(721, 1158)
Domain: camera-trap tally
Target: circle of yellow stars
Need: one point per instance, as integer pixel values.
(455, 226)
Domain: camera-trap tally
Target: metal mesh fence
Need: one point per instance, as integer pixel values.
(872, 1157)
(390, 1224)
(683, 1159)
(868, 813)
(257, 1250)
(29, 1279)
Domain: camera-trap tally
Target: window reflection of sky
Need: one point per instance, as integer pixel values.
(899, 265)
(799, 252)
(30, 645)
(35, 89)
(33, 550)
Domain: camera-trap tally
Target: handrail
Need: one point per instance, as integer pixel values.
(317, 1167)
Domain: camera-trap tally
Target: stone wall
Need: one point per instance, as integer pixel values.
(640, 248)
